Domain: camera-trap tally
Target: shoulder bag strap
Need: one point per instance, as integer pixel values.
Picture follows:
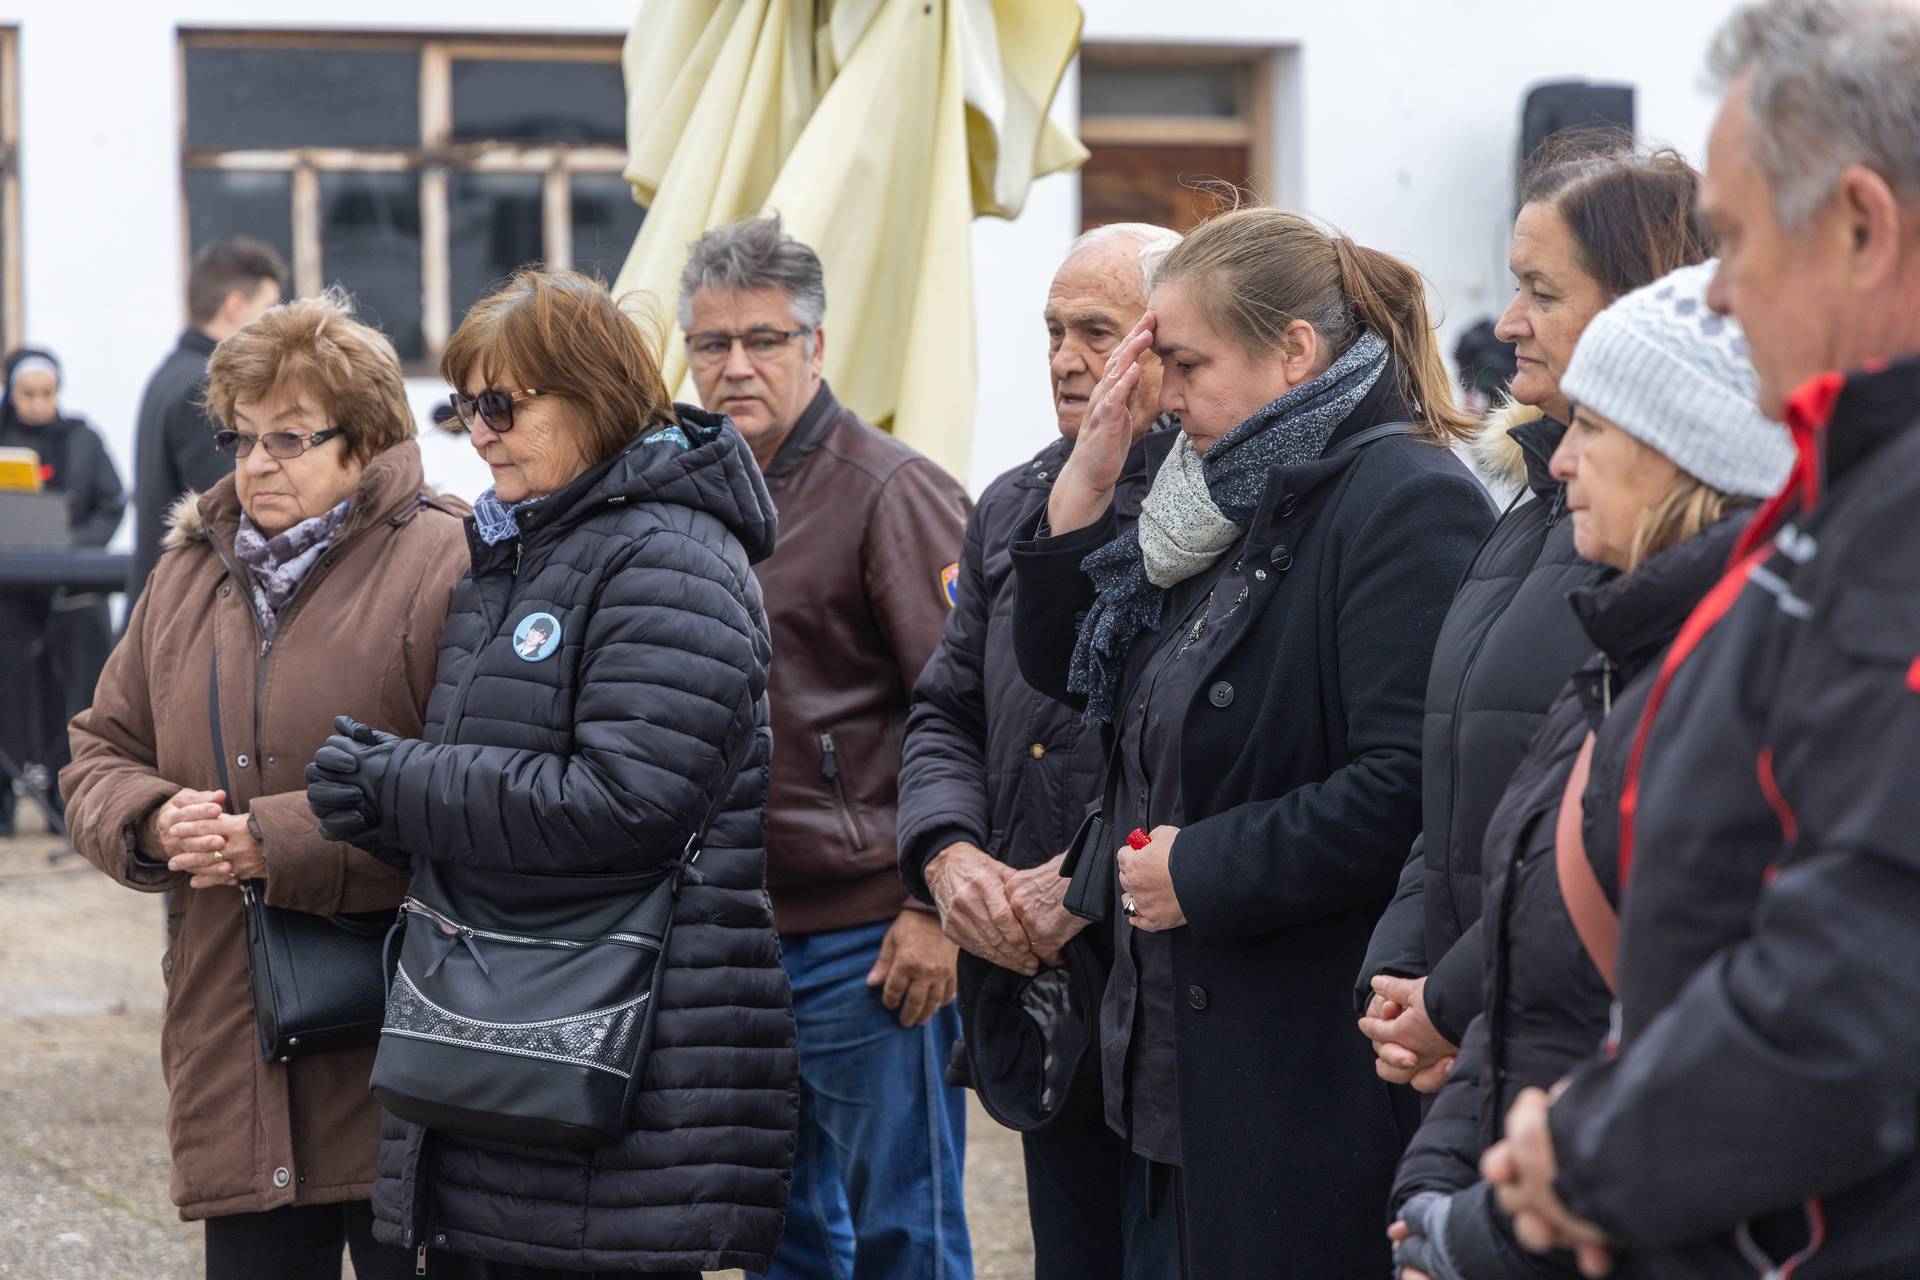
(1361, 439)
(1594, 918)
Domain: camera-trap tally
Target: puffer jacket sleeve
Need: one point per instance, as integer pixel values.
(1399, 945)
(112, 786)
(943, 766)
(1454, 991)
(667, 686)
(1346, 837)
(1445, 1152)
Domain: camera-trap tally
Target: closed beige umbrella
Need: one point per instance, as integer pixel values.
(878, 129)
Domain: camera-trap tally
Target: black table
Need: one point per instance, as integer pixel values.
(77, 568)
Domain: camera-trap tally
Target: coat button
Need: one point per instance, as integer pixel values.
(1038, 749)
(1220, 695)
(1281, 559)
(1197, 997)
(241, 761)
(281, 1177)
(273, 759)
(1288, 501)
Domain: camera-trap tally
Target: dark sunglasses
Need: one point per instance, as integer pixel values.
(280, 444)
(493, 404)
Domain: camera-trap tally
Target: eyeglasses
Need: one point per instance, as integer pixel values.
(280, 444)
(493, 404)
(711, 348)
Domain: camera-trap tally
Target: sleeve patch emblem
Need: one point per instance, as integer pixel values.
(950, 584)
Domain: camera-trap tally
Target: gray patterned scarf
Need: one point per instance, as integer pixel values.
(278, 565)
(1199, 507)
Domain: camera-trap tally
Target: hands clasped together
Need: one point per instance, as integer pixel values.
(195, 834)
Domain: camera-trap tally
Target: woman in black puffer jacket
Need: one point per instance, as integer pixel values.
(602, 664)
(1595, 222)
(1665, 449)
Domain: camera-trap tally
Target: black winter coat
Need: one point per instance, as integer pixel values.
(1546, 1007)
(173, 450)
(1300, 780)
(1766, 1092)
(1507, 647)
(989, 759)
(605, 757)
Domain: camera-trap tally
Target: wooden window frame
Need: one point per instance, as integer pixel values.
(1251, 126)
(435, 159)
(12, 298)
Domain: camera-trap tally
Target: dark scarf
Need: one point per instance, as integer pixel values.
(1292, 429)
(278, 565)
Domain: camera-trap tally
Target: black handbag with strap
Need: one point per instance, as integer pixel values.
(318, 982)
(521, 1008)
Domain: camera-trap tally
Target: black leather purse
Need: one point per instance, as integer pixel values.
(522, 1005)
(318, 981)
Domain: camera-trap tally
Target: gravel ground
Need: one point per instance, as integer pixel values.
(83, 1158)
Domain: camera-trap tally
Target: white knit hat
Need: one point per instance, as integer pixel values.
(1661, 366)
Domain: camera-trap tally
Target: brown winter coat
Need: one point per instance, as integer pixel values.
(360, 638)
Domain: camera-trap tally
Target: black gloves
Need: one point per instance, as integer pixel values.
(343, 787)
(1466, 1234)
(1426, 1249)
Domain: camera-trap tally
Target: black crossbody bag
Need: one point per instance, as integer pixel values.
(521, 1007)
(317, 981)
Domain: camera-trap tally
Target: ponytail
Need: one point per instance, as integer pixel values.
(1390, 298)
(1254, 271)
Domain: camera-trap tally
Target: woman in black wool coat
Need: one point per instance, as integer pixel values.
(1665, 450)
(1254, 641)
(56, 641)
(602, 664)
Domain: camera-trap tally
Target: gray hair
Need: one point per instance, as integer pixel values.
(1155, 243)
(756, 253)
(1835, 83)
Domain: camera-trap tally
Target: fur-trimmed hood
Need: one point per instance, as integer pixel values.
(183, 523)
(1495, 456)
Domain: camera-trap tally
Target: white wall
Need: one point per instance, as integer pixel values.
(1401, 129)
(1399, 125)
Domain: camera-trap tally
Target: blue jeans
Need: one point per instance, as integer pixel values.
(877, 1173)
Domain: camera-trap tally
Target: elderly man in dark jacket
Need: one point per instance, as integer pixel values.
(1759, 1113)
(229, 285)
(857, 594)
(997, 776)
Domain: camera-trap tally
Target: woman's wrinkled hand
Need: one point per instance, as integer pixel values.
(1085, 484)
(223, 851)
(186, 805)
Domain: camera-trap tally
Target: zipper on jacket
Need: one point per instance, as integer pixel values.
(420, 1260)
(830, 770)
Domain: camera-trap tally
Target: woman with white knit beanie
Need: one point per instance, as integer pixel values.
(1664, 454)
(1665, 432)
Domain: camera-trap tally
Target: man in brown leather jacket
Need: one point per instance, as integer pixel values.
(857, 591)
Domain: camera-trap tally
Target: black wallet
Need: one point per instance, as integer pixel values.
(1090, 868)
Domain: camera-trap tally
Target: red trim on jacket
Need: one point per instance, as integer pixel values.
(1705, 616)
(1789, 825)
(1809, 410)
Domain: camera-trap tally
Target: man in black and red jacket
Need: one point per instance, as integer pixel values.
(1758, 1112)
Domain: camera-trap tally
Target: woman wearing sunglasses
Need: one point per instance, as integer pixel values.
(313, 581)
(603, 677)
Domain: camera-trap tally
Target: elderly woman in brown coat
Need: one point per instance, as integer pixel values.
(312, 582)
